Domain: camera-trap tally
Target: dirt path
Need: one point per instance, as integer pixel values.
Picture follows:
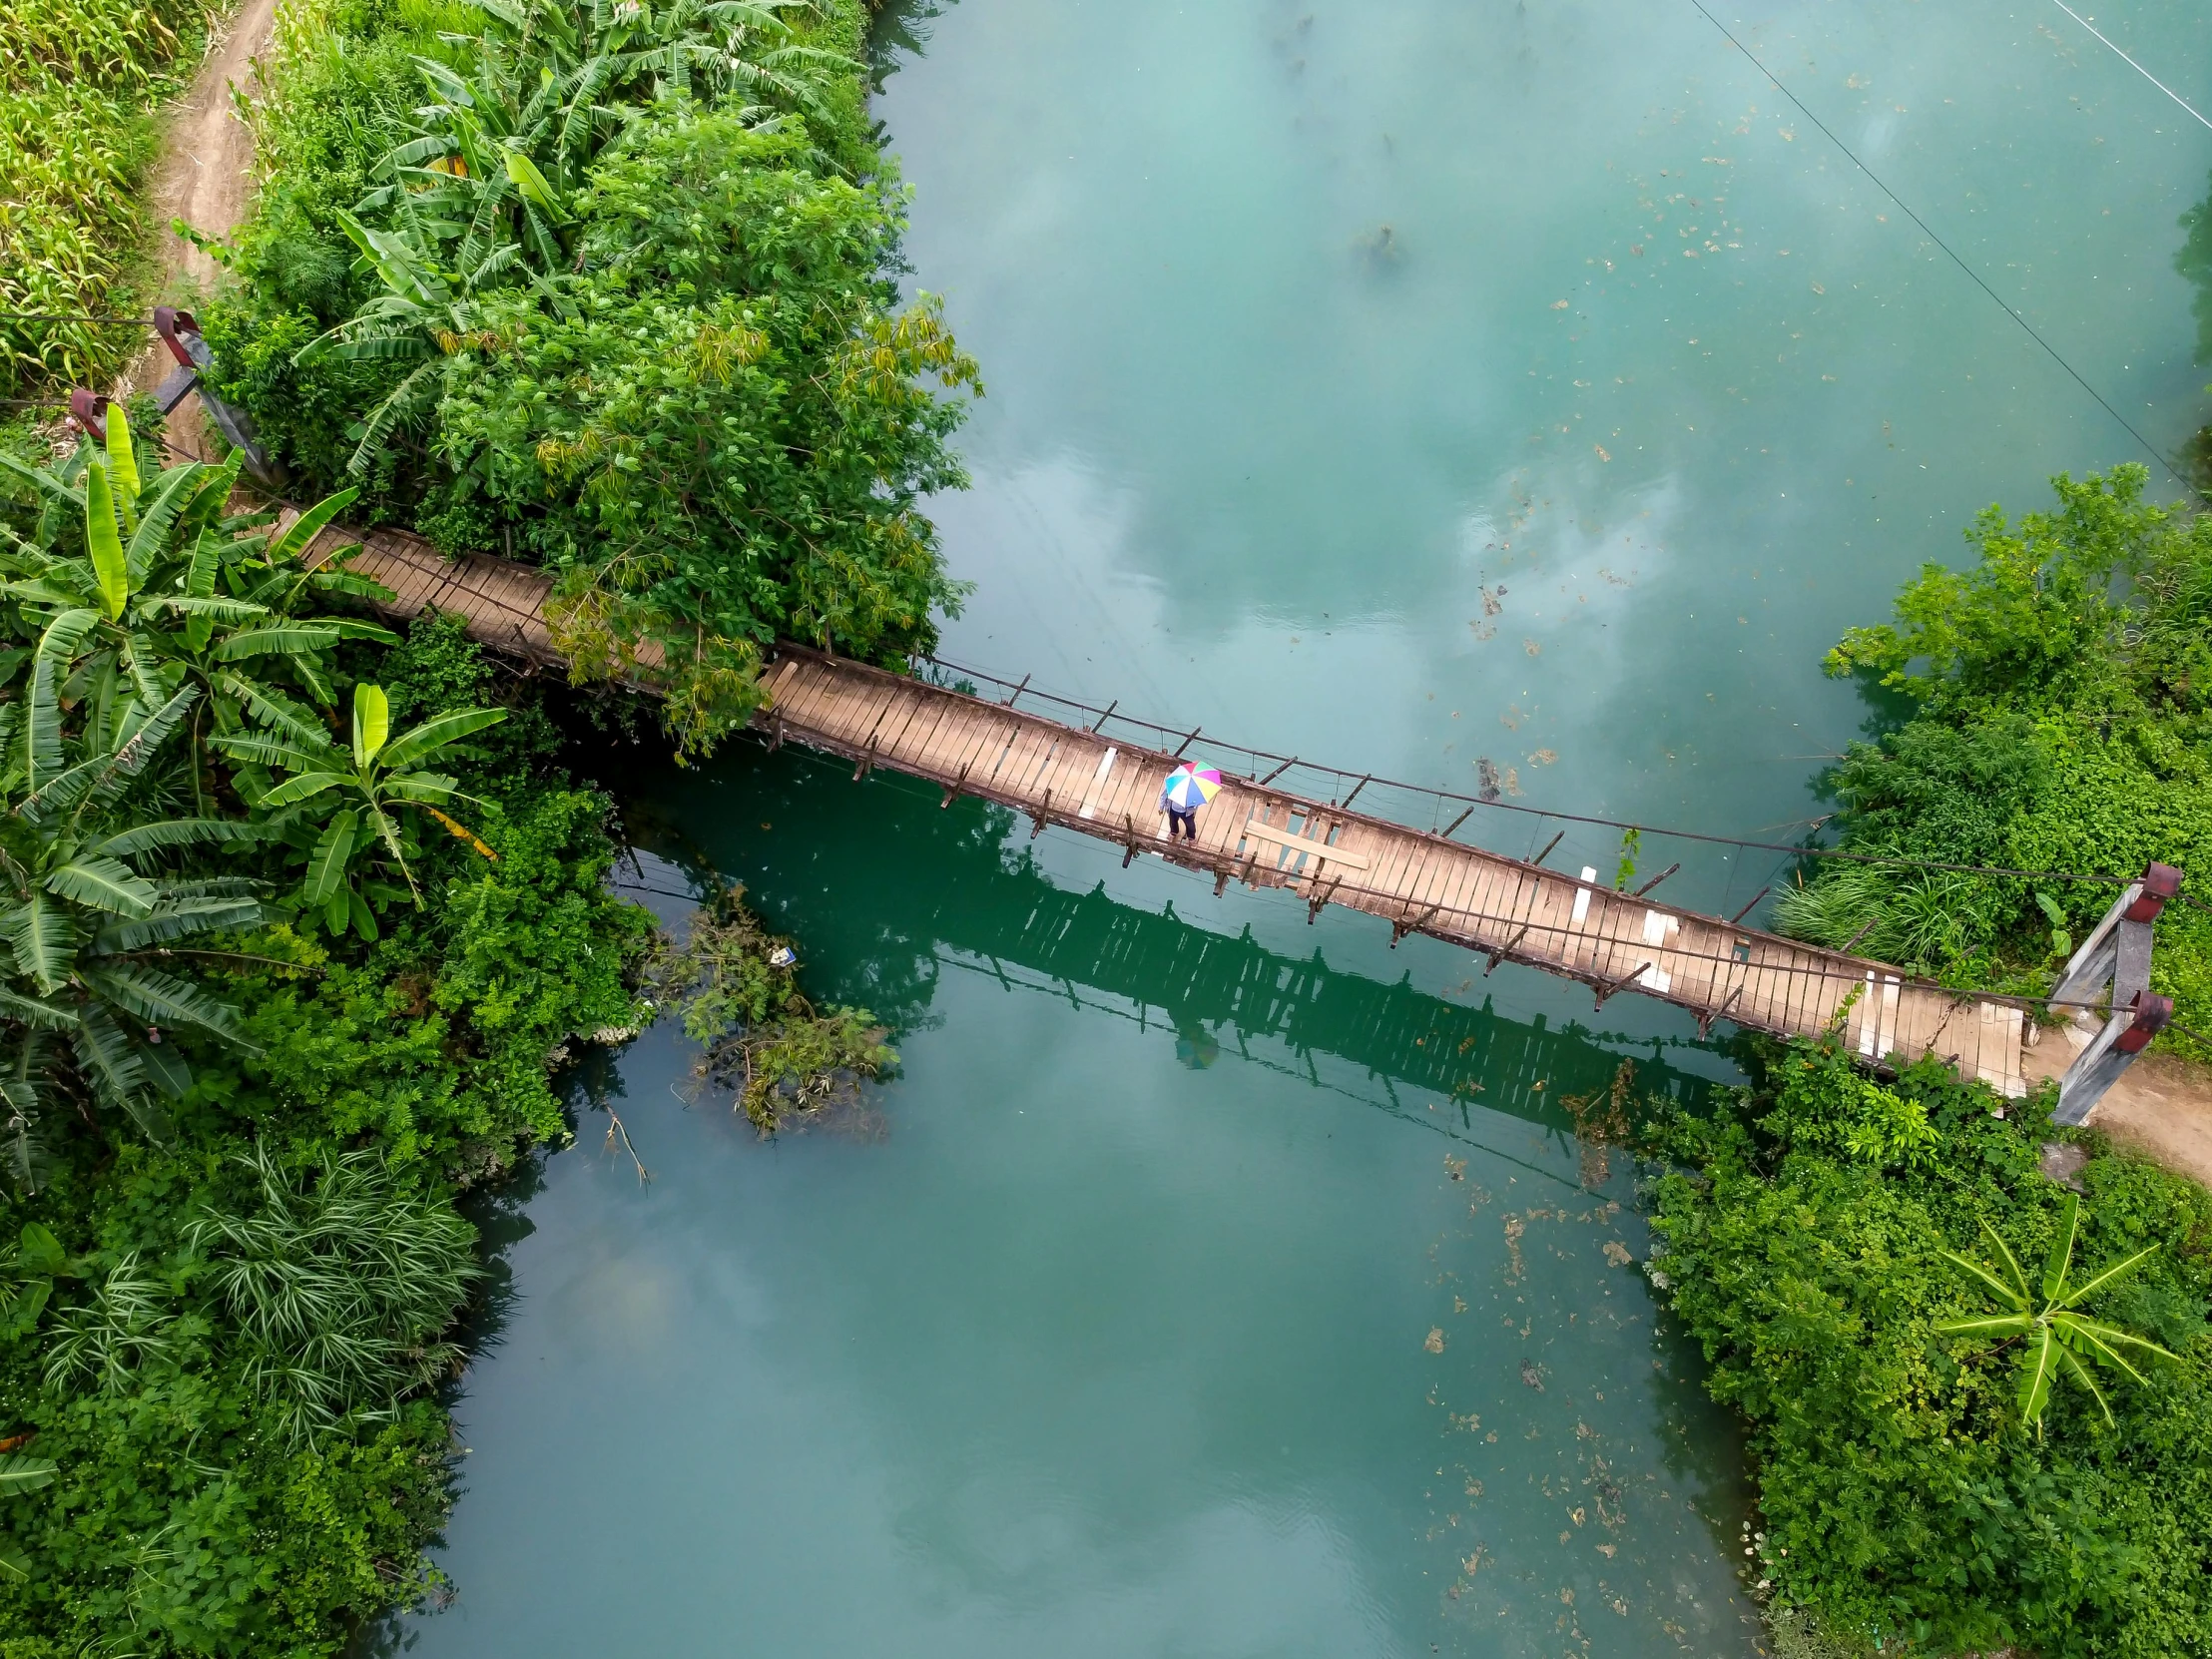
(204, 178)
(2161, 1107)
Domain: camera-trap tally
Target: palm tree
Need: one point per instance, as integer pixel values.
(361, 793)
(2057, 1338)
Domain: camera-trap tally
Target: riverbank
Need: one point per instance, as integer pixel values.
(1914, 1487)
(715, 438)
(1928, 1473)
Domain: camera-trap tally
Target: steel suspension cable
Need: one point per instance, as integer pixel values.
(1974, 276)
(1288, 762)
(2131, 62)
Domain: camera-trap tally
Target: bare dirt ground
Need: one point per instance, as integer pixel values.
(2161, 1107)
(204, 178)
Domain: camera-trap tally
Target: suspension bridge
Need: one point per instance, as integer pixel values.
(1298, 825)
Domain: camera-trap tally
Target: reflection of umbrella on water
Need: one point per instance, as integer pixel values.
(1194, 1046)
(1190, 786)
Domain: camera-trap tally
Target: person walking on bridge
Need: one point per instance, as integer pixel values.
(1189, 786)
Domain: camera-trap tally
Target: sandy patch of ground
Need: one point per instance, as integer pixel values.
(2161, 1107)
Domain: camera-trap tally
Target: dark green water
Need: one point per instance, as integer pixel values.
(1219, 1283)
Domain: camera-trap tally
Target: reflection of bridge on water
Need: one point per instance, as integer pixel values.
(1202, 981)
(1080, 771)
(911, 890)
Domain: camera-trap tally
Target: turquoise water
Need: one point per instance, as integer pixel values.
(1209, 1282)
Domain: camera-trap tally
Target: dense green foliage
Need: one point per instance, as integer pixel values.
(1811, 1236)
(608, 289)
(219, 1322)
(79, 80)
(736, 986)
(2059, 697)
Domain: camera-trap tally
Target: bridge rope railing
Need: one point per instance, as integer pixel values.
(1263, 767)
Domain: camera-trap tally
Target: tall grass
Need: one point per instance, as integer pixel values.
(342, 1287)
(79, 82)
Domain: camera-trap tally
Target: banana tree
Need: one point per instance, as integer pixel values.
(27, 1274)
(88, 922)
(2058, 1336)
(20, 1474)
(482, 195)
(154, 590)
(353, 799)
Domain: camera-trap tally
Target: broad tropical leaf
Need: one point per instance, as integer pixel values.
(371, 722)
(19, 1474)
(275, 752)
(165, 999)
(42, 939)
(279, 639)
(42, 1016)
(152, 534)
(106, 1059)
(2108, 1276)
(101, 540)
(174, 832)
(295, 542)
(291, 721)
(50, 665)
(103, 885)
(2038, 1367)
(423, 787)
(45, 479)
(2081, 1374)
(2061, 1253)
(2004, 1292)
(213, 609)
(305, 787)
(122, 471)
(424, 740)
(1988, 1324)
(184, 920)
(327, 866)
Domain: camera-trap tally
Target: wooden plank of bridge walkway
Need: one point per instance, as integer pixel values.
(1415, 881)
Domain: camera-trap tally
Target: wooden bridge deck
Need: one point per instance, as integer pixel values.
(1414, 879)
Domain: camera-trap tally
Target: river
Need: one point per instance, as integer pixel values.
(1510, 389)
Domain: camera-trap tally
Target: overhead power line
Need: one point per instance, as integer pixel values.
(1972, 275)
(52, 316)
(1167, 737)
(2131, 62)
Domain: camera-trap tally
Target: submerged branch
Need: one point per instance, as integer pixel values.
(788, 1063)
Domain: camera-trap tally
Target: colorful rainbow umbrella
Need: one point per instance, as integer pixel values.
(1191, 787)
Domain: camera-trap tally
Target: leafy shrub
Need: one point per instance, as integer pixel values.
(341, 1290)
(737, 984)
(2060, 722)
(222, 1342)
(726, 432)
(1902, 1502)
(634, 322)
